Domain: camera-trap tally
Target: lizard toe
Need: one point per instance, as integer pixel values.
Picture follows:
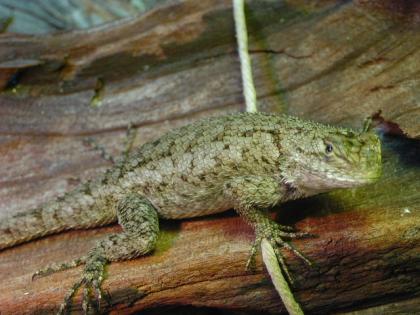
(91, 282)
(295, 235)
(250, 264)
(53, 268)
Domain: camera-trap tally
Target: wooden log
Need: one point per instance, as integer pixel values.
(333, 62)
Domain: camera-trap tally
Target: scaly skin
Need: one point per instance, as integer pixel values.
(248, 162)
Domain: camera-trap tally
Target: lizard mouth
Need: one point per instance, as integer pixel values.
(335, 179)
(350, 180)
(361, 180)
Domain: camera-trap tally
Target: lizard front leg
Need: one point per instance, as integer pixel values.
(140, 222)
(250, 195)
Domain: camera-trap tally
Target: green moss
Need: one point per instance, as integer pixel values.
(168, 234)
(96, 100)
(17, 90)
(5, 24)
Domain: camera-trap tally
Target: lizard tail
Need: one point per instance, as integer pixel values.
(23, 227)
(81, 209)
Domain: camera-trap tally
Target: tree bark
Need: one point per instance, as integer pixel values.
(334, 62)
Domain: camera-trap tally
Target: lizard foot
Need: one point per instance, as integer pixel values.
(91, 282)
(276, 234)
(141, 226)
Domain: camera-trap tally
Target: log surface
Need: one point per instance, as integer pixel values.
(334, 62)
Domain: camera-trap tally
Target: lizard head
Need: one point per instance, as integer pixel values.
(326, 157)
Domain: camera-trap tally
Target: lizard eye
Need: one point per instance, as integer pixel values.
(328, 148)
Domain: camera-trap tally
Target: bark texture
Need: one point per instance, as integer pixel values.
(332, 61)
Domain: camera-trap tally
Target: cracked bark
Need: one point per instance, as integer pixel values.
(175, 65)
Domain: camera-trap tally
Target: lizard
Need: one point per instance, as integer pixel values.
(245, 161)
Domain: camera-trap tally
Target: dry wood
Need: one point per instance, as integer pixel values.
(331, 61)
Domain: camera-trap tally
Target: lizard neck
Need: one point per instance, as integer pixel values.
(297, 183)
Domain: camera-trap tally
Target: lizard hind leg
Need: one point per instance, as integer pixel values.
(140, 225)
